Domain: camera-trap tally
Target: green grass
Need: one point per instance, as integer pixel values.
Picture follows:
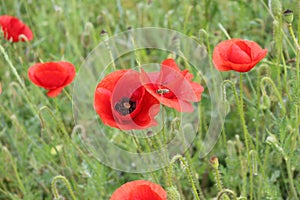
(69, 30)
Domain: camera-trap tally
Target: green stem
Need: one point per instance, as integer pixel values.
(240, 103)
(290, 176)
(14, 70)
(105, 36)
(188, 171)
(58, 122)
(224, 192)
(290, 28)
(15, 169)
(137, 58)
(246, 135)
(67, 184)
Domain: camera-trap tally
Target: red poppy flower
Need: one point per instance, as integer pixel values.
(52, 76)
(172, 87)
(139, 190)
(238, 55)
(122, 102)
(13, 28)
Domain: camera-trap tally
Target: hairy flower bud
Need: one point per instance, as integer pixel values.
(276, 7)
(173, 194)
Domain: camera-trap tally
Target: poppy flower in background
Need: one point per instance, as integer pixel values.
(52, 76)
(139, 190)
(122, 102)
(13, 28)
(238, 55)
(172, 87)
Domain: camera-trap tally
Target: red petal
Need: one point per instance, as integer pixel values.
(51, 75)
(70, 69)
(55, 92)
(237, 54)
(125, 84)
(129, 86)
(102, 106)
(129, 189)
(143, 192)
(13, 28)
(149, 109)
(181, 90)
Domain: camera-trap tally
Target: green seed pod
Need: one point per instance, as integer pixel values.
(288, 16)
(173, 194)
(276, 7)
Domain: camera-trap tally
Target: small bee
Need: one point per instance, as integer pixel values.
(162, 91)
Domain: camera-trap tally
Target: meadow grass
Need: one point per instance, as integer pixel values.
(38, 139)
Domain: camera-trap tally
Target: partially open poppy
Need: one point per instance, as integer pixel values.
(13, 29)
(139, 190)
(52, 76)
(122, 102)
(238, 55)
(172, 87)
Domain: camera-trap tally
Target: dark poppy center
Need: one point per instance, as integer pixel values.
(125, 106)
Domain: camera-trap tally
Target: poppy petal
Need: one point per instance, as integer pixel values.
(122, 102)
(237, 54)
(53, 76)
(13, 28)
(55, 92)
(132, 189)
(102, 106)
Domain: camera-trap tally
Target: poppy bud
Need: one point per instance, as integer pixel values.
(85, 39)
(276, 7)
(272, 141)
(214, 162)
(88, 27)
(173, 194)
(288, 16)
(265, 102)
(100, 19)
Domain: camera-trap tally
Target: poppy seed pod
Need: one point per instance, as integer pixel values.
(288, 16)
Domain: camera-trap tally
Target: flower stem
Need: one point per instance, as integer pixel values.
(67, 184)
(105, 37)
(290, 177)
(246, 134)
(290, 28)
(12, 67)
(188, 171)
(226, 191)
(23, 87)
